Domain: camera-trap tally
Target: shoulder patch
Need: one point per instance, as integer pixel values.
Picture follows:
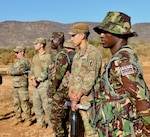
(126, 70)
(91, 62)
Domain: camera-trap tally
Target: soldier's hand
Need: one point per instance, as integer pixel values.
(70, 92)
(67, 74)
(51, 67)
(73, 106)
(34, 83)
(79, 95)
(72, 95)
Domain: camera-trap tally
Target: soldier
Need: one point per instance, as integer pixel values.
(19, 70)
(123, 101)
(68, 45)
(58, 90)
(39, 78)
(85, 69)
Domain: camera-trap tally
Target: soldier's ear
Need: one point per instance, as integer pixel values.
(82, 35)
(42, 45)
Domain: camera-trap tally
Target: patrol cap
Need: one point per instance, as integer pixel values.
(40, 40)
(116, 23)
(19, 48)
(68, 44)
(79, 28)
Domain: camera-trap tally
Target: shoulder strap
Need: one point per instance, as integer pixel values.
(106, 71)
(135, 63)
(62, 52)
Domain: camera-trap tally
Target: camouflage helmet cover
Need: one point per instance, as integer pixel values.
(116, 23)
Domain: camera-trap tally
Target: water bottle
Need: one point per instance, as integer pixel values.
(74, 124)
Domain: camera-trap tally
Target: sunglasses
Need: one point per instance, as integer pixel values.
(74, 35)
(16, 52)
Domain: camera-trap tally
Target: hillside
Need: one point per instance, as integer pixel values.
(14, 33)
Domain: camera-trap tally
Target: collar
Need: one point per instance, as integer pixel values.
(83, 51)
(42, 53)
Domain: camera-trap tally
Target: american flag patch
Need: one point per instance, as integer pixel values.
(126, 70)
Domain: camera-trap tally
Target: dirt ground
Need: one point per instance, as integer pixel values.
(7, 114)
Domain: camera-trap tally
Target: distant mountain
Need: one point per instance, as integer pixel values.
(13, 33)
(143, 31)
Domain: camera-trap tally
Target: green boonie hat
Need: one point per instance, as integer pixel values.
(59, 35)
(68, 44)
(116, 23)
(19, 48)
(79, 28)
(40, 40)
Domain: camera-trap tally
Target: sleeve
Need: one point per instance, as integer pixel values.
(59, 71)
(45, 62)
(71, 83)
(32, 69)
(125, 78)
(94, 66)
(17, 68)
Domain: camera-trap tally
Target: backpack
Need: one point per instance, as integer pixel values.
(98, 108)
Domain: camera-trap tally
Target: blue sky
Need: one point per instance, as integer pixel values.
(70, 11)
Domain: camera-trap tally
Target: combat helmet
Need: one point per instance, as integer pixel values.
(116, 23)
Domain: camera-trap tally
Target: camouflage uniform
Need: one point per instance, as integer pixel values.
(58, 89)
(85, 68)
(39, 72)
(20, 83)
(122, 90)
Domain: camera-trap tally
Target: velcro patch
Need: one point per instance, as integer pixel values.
(126, 70)
(91, 63)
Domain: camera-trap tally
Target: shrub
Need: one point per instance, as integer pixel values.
(140, 47)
